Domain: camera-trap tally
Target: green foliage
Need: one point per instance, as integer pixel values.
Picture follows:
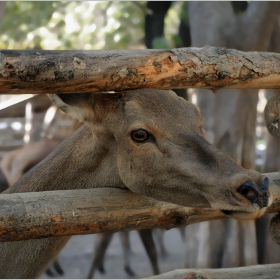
(178, 43)
(160, 43)
(72, 25)
(172, 22)
(184, 12)
(81, 25)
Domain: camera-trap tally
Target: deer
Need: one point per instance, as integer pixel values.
(17, 162)
(148, 141)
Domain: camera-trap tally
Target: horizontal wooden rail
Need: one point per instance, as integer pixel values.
(269, 271)
(70, 212)
(23, 71)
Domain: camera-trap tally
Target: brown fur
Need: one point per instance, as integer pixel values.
(178, 166)
(17, 162)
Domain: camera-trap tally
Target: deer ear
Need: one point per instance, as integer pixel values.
(74, 105)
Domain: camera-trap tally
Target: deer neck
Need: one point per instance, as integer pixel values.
(79, 162)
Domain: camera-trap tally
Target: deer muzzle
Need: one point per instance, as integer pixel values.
(255, 194)
(258, 198)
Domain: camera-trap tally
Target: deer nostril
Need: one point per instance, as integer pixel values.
(248, 190)
(265, 185)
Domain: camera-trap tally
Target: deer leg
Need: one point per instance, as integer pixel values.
(57, 267)
(100, 250)
(182, 231)
(124, 235)
(147, 239)
(159, 233)
(3, 182)
(49, 272)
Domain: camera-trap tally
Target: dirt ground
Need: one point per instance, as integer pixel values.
(77, 255)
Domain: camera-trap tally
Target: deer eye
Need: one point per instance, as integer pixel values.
(140, 135)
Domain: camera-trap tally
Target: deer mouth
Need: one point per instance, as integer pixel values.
(244, 215)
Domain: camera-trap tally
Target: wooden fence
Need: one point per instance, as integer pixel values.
(60, 213)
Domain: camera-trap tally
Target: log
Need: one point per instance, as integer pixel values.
(99, 71)
(69, 212)
(269, 271)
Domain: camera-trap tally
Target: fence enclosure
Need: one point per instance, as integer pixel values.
(62, 213)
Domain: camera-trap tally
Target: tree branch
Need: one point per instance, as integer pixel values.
(97, 71)
(269, 271)
(70, 212)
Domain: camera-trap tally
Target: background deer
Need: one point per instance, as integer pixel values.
(148, 141)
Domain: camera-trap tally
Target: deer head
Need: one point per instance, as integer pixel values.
(150, 141)
(157, 146)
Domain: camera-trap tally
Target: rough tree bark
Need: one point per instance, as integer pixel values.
(85, 71)
(62, 213)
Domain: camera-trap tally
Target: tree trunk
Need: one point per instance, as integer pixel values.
(154, 22)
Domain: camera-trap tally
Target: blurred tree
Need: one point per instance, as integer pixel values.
(166, 25)
(2, 8)
(71, 25)
(78, 25)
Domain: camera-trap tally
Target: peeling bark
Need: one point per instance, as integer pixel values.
(97, 71)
